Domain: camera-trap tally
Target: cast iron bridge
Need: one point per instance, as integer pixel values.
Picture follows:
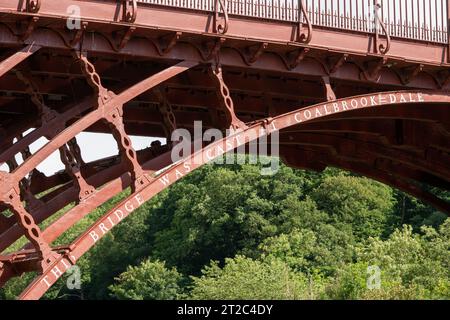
(358, 85)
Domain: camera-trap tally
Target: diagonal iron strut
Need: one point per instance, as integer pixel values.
(18, 57)
(191, 162)
(108, 108)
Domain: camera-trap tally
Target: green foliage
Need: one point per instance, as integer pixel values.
(349, 283)
(294, 235)
(310, 252)
(126, 245)
(360, 204)
(244, 278)
(412, 266)
(148, 281)
(15, 286)
(414, 260)
(417, 214)
(225, 212)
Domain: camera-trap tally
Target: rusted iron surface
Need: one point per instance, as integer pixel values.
(359, 87)
(412, 19)
(164, 179)
(18, 57)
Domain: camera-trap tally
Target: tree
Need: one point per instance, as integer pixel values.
(363, 205)
(322, 251)
(413, 266)
(318, 230)
(148, 281)
(416, 213)
(226, 212)
(244, 278)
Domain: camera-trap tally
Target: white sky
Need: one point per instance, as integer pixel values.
(93, 146)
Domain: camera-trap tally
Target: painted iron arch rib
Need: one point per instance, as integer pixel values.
(164, 179)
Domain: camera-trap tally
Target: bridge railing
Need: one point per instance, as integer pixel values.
(425, 20)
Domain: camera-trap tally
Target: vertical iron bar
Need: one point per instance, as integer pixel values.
(402, 19)
(388, 14)
(425, 21)
(436, 17)
(418, 18)
(339, 23)
(395, 18)
(345, 15)
(407, 19)
(332, 13)
(431, 17)
(441, 27)
(413, 20)
(352, 20)
(319, 9)
(448, 31)
(375, 4)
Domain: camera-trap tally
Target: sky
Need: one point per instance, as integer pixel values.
(93, 146)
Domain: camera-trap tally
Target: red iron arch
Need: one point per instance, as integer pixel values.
(164, 179)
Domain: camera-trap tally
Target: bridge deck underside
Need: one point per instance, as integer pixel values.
(421, 132)
(403, 146)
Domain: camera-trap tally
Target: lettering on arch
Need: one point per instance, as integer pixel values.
(379, 99)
